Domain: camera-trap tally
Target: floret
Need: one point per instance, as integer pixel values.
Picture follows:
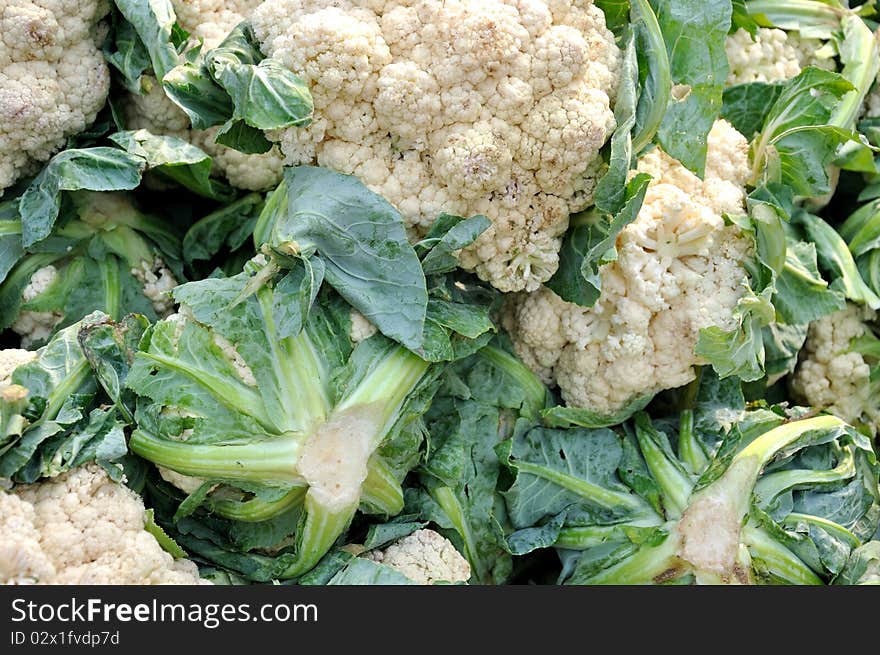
(53, 79)
(82, 528)
(497, 107)
(11, 359)
(679, 269)
(36, 326)
(426, 557)
(832, 375)
(772, 55)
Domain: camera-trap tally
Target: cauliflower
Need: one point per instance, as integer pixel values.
(211, 21)
(361, 328)
(832, 375)
(11, 359)
(773, 55)
(425, 557)
(158, 281)
(494, 107)
(679, 269)
(53, 79)
(33, 326)
(82, 528)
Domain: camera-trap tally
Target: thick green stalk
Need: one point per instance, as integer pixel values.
(592, 493)
(270, 462)
(648, 565)
(584, 537)
(675, 486)
(689, 449)
(381, 491)
(861, 57)
(109, 268)
(776, 559)
(385, 390)
(445, 497)
(254, 510)
(773, 484)
(317, 532)
(796, 14)
(298, 365)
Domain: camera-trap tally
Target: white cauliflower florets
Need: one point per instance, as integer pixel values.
(361, 328)
(494, 107)
(425, 557)
(679, 269)
(772, 56)
(53, 79)
(158, 281)
(82, 528)
(11, 359)
(830, 375)
(33, 326)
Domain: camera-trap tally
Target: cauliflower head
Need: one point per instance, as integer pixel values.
(53, 79)
(425, 557)
(771, 56)
(494, 107)
(679, 269)
(831, 375)
(82, 528)
(11, 359)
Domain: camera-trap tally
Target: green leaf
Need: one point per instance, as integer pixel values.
(154, 22)
(229, 226)
(366, 572)
(94, 169)
(835, 257)
(174, 159)
(362, 241)
(695, 32)
(167, 543)
(240, 136)
(191, 88)
(746, 106)
(610, 195)
(559, 416)
(265, 95)
(110, 349)
(448, 234)
(654, 74)
(458, 483)
(590, 243)
(125, 51)
(802, 296)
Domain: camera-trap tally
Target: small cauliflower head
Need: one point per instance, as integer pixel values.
(210, 21)
(36, 327)
(11, 359)
(831, 375)
(425, 557)
(82, 528)
(772, 55)
(494, 107)
(53, 79)
(679, 270)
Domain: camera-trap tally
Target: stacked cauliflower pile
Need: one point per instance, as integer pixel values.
(679, 270)
(831, 375)
(82, 528)
(771, 56)
(210, 21)
(494, 107)
(53, 79)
